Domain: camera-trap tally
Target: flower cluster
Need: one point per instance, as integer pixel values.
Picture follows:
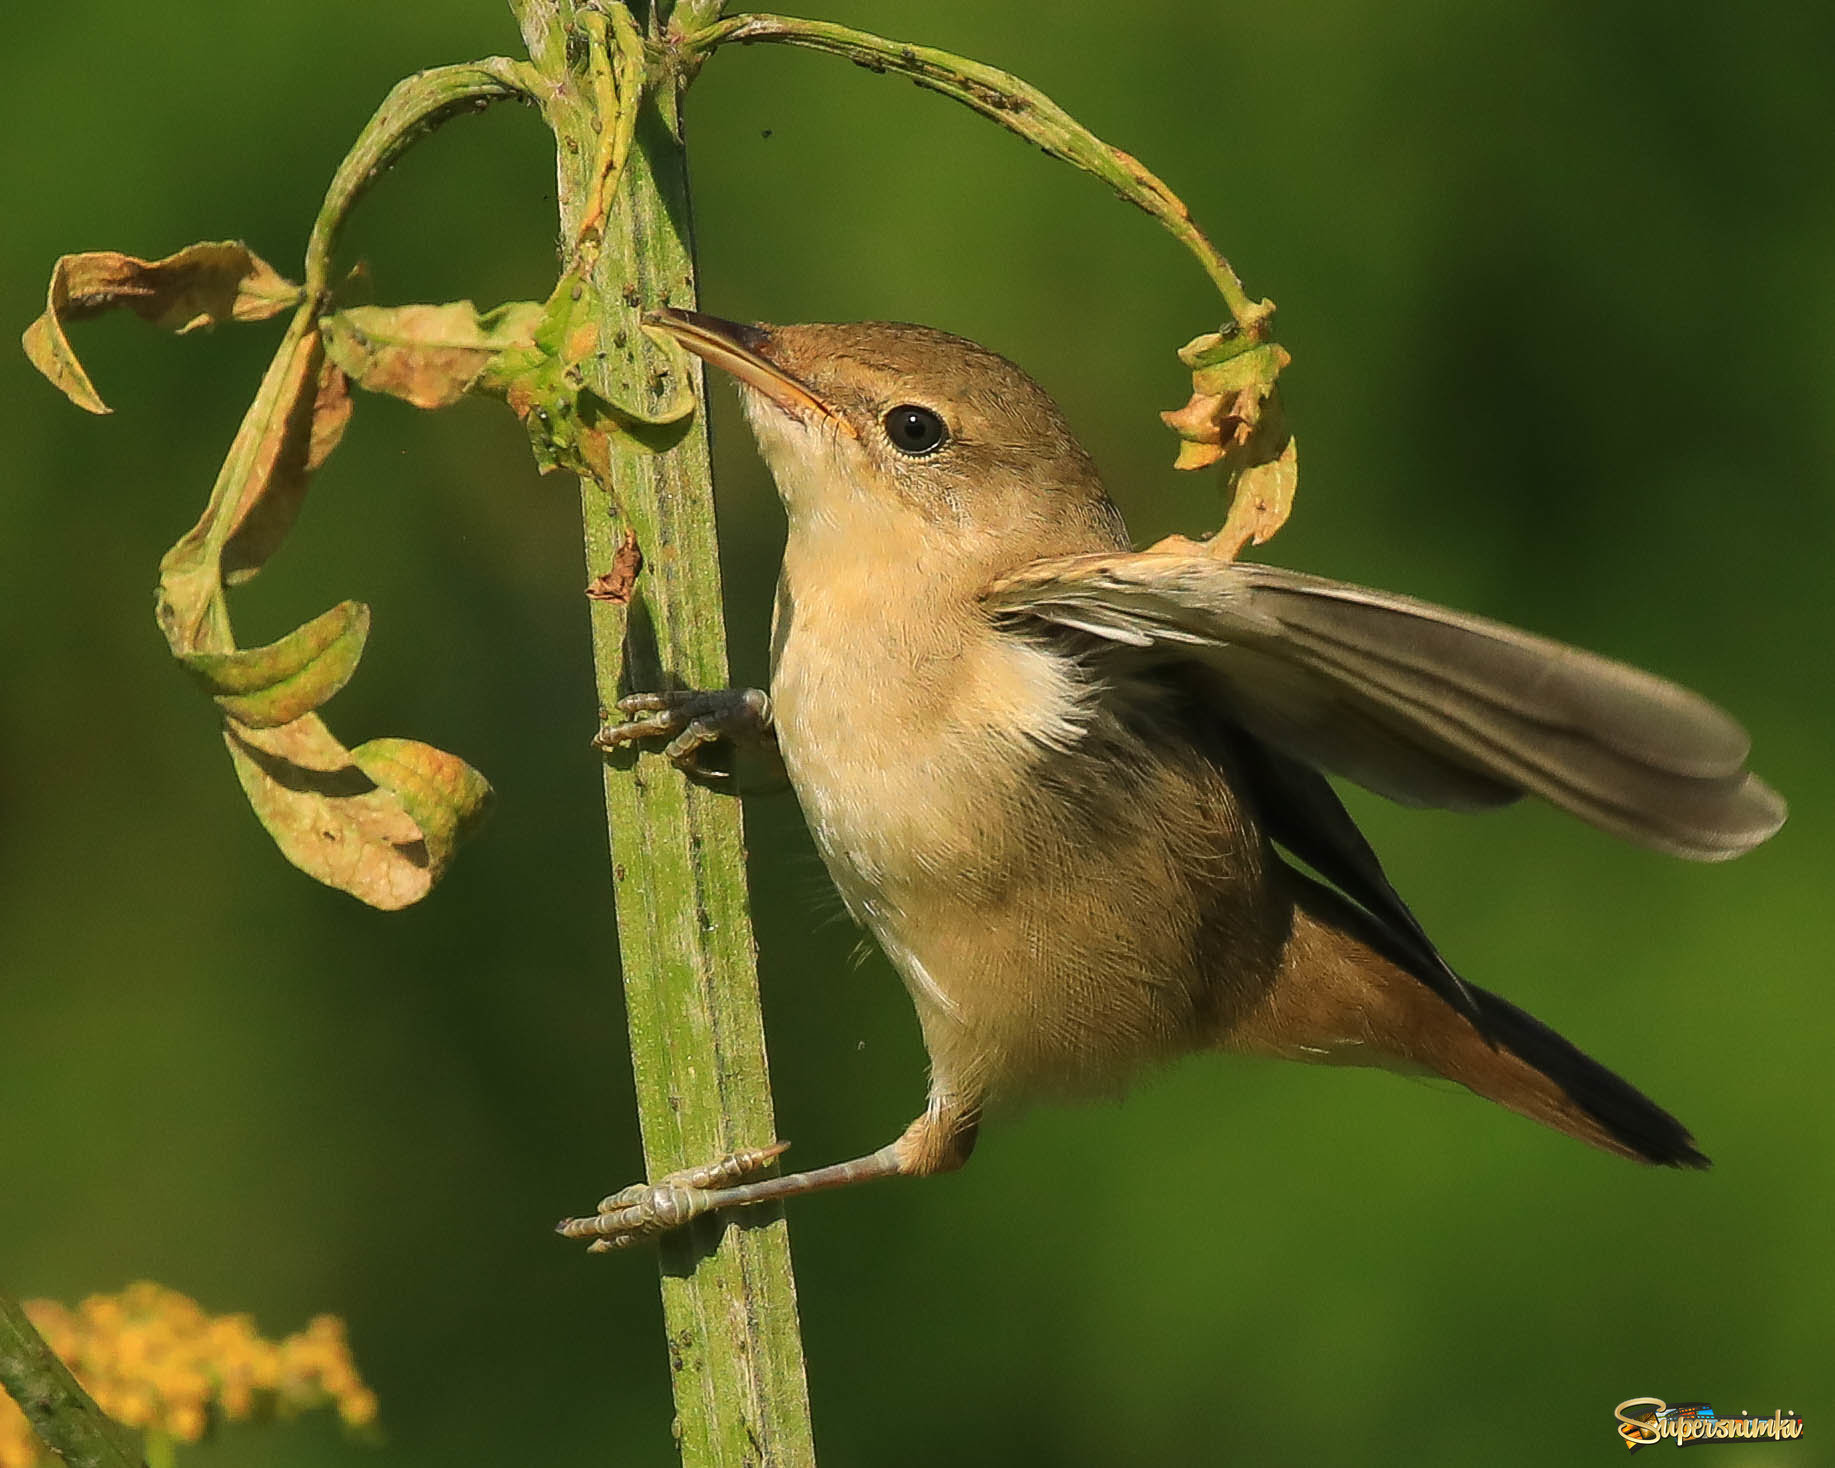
(153, 1360)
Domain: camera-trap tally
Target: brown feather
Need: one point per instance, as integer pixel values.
(1338, 999)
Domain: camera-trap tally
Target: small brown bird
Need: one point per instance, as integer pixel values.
(1059, 780)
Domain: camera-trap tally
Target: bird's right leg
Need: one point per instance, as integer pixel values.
(938, 1141)
(691, 720)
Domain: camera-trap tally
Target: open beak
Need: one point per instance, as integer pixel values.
(738, 349)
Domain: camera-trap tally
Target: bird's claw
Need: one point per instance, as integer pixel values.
(689, 720)
(645, 1212)
(642, 1211)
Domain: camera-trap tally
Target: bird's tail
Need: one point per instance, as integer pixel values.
(1343, 995)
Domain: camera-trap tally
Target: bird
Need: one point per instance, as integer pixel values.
(1080, 794)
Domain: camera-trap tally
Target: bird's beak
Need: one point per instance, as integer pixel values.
(740, 350)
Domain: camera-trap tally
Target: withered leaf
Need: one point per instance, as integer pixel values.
(266, 519)
(430, 356)
(297, 417)
(1234, 419)
(617, 584)
(379, 822)
(201, 285)
(446, 797)
(1232, 383)
(1261, 504)
(336, 820)
(269, 456)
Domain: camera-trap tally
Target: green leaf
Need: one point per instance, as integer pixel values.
(274, 685)
(201, 285)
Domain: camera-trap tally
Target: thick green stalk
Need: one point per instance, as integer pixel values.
(60, 1411)
(678, 859)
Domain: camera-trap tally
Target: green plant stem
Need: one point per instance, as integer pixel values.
(414, 107)
(60, 1411)
(678, 860)
(1016, 105)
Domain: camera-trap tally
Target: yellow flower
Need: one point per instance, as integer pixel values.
(152, 1358)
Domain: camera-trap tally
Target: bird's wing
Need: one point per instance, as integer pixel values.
(1422, 704)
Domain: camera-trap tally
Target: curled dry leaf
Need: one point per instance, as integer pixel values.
(380, 822)
(1262, 501)
(264, 522)
(446, 797)
(617, 584)
(1234, 419)
(430, 356)
(297, 418)
(201, 285)
(267, 459)
(1233, 381)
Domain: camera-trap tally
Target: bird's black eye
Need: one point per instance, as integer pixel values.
(914, 430)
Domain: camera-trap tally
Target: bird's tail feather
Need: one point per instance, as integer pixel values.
(1341, 997)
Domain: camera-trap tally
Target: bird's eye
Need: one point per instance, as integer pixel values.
(914, 430)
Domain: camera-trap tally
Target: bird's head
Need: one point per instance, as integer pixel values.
(861, 417)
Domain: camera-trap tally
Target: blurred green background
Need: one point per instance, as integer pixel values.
(1557, 283)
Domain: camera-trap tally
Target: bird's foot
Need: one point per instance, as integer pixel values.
(645, 1210)
(690, 720)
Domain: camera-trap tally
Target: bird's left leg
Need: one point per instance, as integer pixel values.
(938, 1141)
